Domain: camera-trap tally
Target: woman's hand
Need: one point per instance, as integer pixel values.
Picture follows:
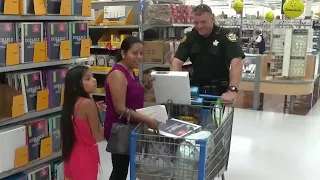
(101, 106)
(153, 124)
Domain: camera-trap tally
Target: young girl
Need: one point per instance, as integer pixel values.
(80, 126)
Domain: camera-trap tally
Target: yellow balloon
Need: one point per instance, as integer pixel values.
(269, 16)
(237, 5)
(293, 8)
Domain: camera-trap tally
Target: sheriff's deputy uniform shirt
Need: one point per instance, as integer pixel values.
(210, 56)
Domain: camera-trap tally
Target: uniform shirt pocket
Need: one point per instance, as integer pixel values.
(214, 50)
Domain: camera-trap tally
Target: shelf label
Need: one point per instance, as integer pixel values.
(141, 4)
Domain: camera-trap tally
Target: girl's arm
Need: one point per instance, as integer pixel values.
(92, 115)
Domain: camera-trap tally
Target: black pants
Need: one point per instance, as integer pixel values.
(120, 165)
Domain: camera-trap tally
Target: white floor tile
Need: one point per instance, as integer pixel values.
(267, 146)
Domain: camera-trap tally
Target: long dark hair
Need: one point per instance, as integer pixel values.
(73, 90)
(126, 45)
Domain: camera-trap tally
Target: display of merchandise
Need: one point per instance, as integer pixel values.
(31, 83)
(36, 131)
(248, 70)
(77, 32)
(13, 138)
(19, 176)
(316, 35)
(42, 173)
(35, 41)
(28, 34)
(168, 13)
(28, 7)
(294, 59)
(277, 49)
(7, 35)
(55, 132)
(77, 7)
(54, 34)
(53, 79)
(53, 6)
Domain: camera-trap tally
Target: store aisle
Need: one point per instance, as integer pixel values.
(267, 146)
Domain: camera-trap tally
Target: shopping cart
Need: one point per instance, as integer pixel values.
(200, 155)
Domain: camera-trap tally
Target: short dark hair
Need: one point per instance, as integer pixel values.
(202, 8)
(126, 45)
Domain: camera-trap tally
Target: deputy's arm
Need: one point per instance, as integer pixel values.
(181, 55)
(235, 55)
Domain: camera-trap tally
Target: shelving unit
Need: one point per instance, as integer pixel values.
(18, 118)
(30, 165)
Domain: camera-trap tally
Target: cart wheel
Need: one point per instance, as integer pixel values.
(223, 178)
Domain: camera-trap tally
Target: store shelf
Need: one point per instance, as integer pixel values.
(115, 27)
(98, 94)
(149, 26)
(30, 165)
(44, 64)
(43, 18)
(100, 72)
(29, 116)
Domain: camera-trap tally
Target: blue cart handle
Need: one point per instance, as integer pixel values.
(209, 97)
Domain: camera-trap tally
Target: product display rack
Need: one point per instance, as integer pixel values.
(43, 112)
(31, 165)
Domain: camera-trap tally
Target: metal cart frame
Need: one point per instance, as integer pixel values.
(155, 157)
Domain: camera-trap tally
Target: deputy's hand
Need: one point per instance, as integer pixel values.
(229, 96)
(149, 82)
(101, 106)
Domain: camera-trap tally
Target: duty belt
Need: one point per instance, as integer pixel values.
(216, 87)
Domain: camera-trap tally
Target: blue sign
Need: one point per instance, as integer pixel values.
(141, 4)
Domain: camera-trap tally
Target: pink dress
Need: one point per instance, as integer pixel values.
(84, 160)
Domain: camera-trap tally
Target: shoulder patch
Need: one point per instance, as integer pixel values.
(183, 39)
(232, 37)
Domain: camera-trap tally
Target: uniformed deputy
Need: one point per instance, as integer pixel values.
(211, 49)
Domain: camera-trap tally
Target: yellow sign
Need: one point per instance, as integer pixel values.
(269, 16)
(237, 5)
(293, 8)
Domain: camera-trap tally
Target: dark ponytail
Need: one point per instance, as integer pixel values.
(126, 45)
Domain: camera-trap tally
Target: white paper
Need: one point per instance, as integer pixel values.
(157, 112)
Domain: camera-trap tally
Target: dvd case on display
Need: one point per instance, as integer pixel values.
(7, 35)
(42, 173)
(55, 33)
(53, 6)
(28, 6)
(54, 132)
(35, 132)
(55, 82)
(28, 34)
(77, 7)
(78, 31)
(1, 6)
(31, 83)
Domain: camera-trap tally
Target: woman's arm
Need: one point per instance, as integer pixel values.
(118, 89)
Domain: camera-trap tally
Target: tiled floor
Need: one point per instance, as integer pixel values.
(268, 146)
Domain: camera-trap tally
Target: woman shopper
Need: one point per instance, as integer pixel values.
(81, 128)
(124, 94)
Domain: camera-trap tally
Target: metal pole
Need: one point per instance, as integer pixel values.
(141, 8)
